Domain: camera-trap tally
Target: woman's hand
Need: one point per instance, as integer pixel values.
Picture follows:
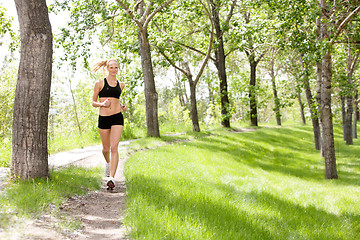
(106, 103)
(123, 107)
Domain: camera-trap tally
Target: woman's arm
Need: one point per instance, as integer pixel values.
(95, 97)
(122, 86)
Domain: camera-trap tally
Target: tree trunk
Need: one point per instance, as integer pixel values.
(301, 105)
(318, 99)
(314, 117)
(348, 128)
(328, 145)
(312, 108)
(343, 115)
(151, 96)
(179, 89)
(276, 98)
(193, 111)
(327, 124)
(193, 103)
(32, 95)
(348, 135)
(355, 115)
(252, 93)
(211, 100)
(220, 65)
(319, 84)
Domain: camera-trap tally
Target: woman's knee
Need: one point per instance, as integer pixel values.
(106, 151)
(114, 149)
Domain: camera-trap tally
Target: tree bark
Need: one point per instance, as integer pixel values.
(32, 95)
(151, 95)
(349, 99)
(319, 84)
(328, 145)
(276, 98)
(179, 90)
(355, 115)
(193, 109)
(220, 65)
(312, 108)
(301, 105)
(318, 100)
(343, 114)
(348, 135)
(211, 100)
(252, 86)
(326, 120)
(252, 95)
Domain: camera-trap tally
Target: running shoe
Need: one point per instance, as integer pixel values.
(110, 184)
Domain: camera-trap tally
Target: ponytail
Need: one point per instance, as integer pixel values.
(102, 64)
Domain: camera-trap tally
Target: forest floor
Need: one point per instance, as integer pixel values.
(97, 215)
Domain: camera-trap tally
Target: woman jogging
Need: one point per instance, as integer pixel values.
(106, 97)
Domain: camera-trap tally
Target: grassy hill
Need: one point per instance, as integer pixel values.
(263, 184)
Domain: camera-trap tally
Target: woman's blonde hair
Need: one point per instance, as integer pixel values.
(103, 64)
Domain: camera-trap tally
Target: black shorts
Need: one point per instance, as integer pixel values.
(105, 122)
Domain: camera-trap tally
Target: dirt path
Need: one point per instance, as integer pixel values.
(99, 213)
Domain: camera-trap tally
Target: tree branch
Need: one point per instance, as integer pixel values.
(130, 13)
(112, 33)
(230, 14)
(171, 62)
(191, 48)
(261, 56)
(354, 62)
(98, 23)
(347, 42)
(230, 51)
(146, 13)
(151, 16)
(208, 54)
(343, 24)
(191, 33)
(137, 5)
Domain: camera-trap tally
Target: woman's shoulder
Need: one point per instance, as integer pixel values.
(100, 82)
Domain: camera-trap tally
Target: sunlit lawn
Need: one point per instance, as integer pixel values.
(263, 184)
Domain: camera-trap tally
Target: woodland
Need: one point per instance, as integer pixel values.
(187, 65)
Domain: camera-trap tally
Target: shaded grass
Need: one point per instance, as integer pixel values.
(148, 143)
(32, 198)
(263, 184)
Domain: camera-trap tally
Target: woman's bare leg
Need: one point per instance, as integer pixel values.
(105, 141)
(115, 134)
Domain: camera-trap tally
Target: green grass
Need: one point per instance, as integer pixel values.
(263, 184)
(31, 198)
(5, 152)
(65, 141)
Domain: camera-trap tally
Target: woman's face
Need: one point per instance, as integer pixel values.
(112, 68)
